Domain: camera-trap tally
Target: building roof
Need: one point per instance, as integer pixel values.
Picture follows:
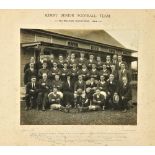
(99, 36)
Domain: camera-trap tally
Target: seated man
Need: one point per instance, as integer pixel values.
(54, 101)
(91, 86)
(58, 84)
(97, 104)
(102, 86)
(125, 93)
(98, 101)
(45, 87)
(115, 101)
(32, 89)
(68, 92)
(79, 88)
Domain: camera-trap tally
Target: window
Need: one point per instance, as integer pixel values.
(72, 44)
(95, 48)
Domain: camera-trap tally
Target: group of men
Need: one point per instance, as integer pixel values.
(77, 82)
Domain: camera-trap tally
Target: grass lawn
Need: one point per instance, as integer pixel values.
(109, 117)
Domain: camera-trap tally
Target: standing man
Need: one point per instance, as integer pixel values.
(51, 61)
(64, 72)
(74, 72)
(44, 69)
(27, 66)
(72, 60)
(91, 61)
(32, 89)
(120, 61)
(123, 72)
(84, 72)
(99, 63)
(60, 62)
(108, 62)
(105, 72)
(125, 93)
(114, 59)
(82, 60)
(29, 73)
(94, 72)
(54, 71)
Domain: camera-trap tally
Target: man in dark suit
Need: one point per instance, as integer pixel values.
(29, 73)
(111, 89)
(125, 93)
(27, 66)
(44, 89)
(123, 72)
(68, 92)
(120, 61)
(32, 89)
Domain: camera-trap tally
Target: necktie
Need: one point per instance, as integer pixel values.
(69, 83)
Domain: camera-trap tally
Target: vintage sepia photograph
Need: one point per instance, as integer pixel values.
(76, 77)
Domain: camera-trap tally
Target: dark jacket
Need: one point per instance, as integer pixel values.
(28, 74)
(29, 88)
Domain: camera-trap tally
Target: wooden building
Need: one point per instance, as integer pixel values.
(98, 42)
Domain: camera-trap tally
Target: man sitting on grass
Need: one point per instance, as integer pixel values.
(97, 104)
(55, 100)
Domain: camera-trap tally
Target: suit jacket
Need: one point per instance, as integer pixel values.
(45, 86)
(126, 73)
(29, 88)
(27, 66)
(28, 74)
(78, 85)
(67, 88)
(125, 90)
(41, 71)
(102, 86)
(112, 87)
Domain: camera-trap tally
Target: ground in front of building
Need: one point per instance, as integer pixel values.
(55, 117)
